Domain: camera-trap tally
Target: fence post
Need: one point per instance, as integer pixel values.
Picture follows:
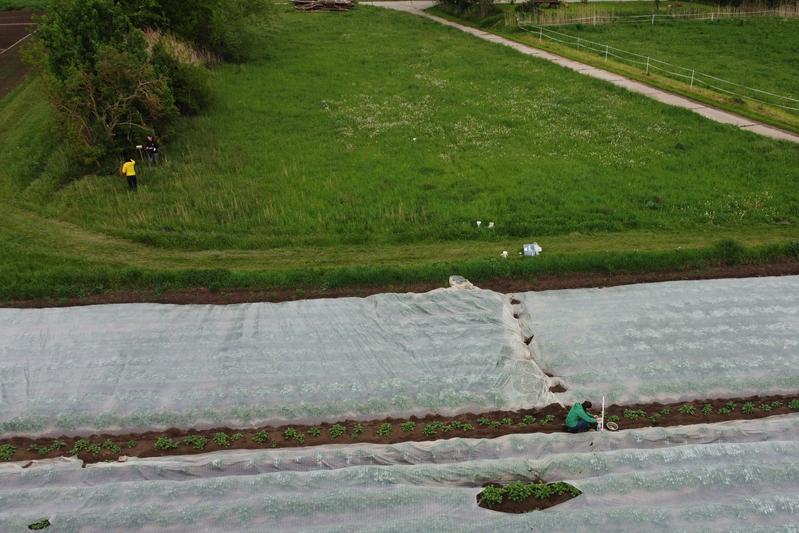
(653, 19)
(692, 79)
(540, 33)
(606, 52)
(578, 43)
(647, 65)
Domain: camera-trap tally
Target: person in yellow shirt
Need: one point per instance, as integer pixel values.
(129, 171)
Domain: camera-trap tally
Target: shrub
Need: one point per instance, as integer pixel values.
(165, 443)
(189, 83)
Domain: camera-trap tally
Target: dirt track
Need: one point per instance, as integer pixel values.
(14, 25)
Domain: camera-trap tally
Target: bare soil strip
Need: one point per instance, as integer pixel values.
(493, 424)
(504, 285)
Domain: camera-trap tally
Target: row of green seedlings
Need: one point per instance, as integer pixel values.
(690, 409)
(518, 491)
(223, 440)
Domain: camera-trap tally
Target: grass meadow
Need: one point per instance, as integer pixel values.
(756, 52)
(363, 146)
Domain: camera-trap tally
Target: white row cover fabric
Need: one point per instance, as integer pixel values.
(736, 476)
(670, 341)
(149, 366)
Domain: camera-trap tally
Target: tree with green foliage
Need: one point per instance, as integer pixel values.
(105, 91)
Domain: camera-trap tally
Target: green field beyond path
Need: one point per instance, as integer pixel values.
(374, 138)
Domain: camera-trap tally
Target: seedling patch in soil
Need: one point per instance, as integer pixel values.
(550, 419)
(521, 497)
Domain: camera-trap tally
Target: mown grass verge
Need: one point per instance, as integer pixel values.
(57, 281)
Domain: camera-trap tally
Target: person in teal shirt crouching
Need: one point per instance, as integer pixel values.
(579, 420)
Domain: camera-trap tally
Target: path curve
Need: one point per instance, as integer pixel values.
(712, 113)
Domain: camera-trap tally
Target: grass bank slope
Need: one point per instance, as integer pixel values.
(367, 143)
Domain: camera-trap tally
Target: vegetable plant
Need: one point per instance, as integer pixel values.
(7, 451)
(165, 443)
(236, 436)
(261, 437)
(39, 524)
(197, 442)
(384, 430)
(83, 445)
(654, 418)
(687, 409)
(747, 408)
(528, 420)
(548, 419)
(336, 430)
(507, 421)
(408, 426)
(223, 439)
(794, 404)
(707, 409)
(492, 496)
(665, 411)
(357, 430)
(766, 407)
(483, 421)
(614, 418)
(727, 408)
(776, 404)
(293, 434)
(111, 446)
(314, 432)
(131, 444)
(634, 414)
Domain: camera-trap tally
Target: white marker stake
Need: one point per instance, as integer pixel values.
(602, 419)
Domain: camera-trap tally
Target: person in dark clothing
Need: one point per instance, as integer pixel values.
(579, 420)
(151, 148)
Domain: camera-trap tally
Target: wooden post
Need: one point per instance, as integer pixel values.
(606, 52)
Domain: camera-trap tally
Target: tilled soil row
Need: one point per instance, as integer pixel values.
(550, 419)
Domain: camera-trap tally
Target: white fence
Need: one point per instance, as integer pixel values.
(648, 64)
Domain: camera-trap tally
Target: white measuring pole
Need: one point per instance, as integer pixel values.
(602, 419)
(606, 52)
(540, 33)
(647, 65)
(692, 79)
(653, 19)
